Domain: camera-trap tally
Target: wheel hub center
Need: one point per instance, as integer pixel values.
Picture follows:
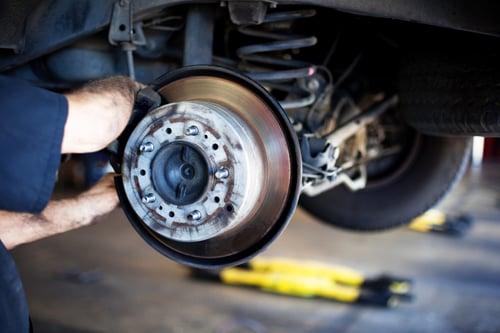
(187, 171)
(180, 173)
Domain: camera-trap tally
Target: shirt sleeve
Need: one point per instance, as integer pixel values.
(14, 311)
(31, 130)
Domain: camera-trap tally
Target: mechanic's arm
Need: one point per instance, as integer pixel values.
(59, 215)
(96, 115)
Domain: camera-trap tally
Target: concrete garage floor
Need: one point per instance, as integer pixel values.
(106, 279)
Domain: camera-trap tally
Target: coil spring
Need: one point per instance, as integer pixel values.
(286, 73)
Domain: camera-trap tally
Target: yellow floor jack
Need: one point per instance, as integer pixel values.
(310, 279)
(437, 221)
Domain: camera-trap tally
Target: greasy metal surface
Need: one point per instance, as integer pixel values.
(226, 143)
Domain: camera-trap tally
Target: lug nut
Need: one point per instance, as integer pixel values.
(222, 173)
(149, 198)
(192, 130)
(146, 147)
(194, 215)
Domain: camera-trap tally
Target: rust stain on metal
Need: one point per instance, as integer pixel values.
(179, 119)
(131, 160)
(155, 127)
(137, 186)
(180, 227)
(169, 113)
(157, 216)
(236, 146)
(220, 217)
(213, 132)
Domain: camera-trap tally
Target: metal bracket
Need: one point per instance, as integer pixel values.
(120, 28)
(245, 12)
(351, 127)
(123, 32)
(356, 127)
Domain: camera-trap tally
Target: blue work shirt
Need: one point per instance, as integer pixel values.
(31, 130)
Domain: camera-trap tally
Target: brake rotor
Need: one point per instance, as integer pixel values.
(210, 172)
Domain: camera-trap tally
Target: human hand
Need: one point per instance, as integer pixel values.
(83, 210)
(97, 113)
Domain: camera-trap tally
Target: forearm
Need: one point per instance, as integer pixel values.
(19, 228)
(59, 216)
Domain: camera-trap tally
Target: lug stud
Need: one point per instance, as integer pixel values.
(194, 215)
(149, 198)
(222, 173)
(146, 147)
(192, 130)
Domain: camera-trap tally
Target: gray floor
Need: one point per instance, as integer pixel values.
(105, 279)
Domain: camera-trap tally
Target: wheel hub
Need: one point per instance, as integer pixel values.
(179, 173)
(201, 161)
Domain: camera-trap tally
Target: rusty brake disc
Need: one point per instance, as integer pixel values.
(210, 167)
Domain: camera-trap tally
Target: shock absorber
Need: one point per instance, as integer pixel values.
(270, 62)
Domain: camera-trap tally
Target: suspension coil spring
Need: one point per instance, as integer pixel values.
(269, 62)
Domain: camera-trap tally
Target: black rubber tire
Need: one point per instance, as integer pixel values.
(455, 95)
(437, 165)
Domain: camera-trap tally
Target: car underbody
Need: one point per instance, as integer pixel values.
(365, 108)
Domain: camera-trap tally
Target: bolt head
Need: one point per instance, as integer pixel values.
(146, 147)
(149, 198)
(192, 130)
(222, 173)
(195, 215)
